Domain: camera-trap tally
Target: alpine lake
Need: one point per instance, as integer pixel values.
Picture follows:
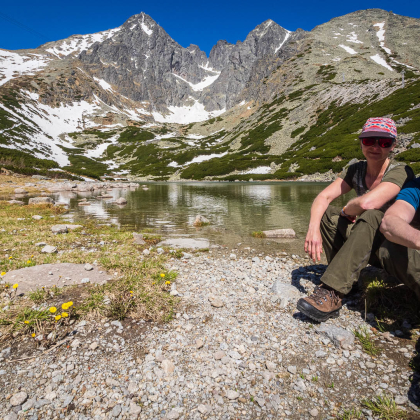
(235, 210)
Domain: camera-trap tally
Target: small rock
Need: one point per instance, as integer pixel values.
(37, 217)
(201, 221)
(219, 355)
(117, 324)
(146, 252)
(216, 302)
(88, 267)
(121, 201)
(173, 415)
(85, 280)
(270, 366)
(75, 343)
(138, 239)
(40, 244)
(401, 399)
(339, 336)
(314, 412)
(18, 399)
(232, 395)
(280, 233)
(202, 409)
(232, 256)
(93, 346)
(135, 409)
(292, 369)
(49, 249)
(168, 366)
(285, 290)
(28, 405)
(199, 344)
(116, 411)
(41, 200)
(11, 416)
(58, 229)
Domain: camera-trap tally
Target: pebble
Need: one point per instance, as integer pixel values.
(314, 412)
(18, 399)
(232, 395)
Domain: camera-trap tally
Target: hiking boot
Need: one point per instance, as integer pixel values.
(321, 305)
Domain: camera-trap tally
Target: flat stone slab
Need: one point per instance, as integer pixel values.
(187, 243)
(32, 278)
(280, 233)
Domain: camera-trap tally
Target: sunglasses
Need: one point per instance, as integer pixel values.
(383, 142)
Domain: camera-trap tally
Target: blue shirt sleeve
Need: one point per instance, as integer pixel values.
(411, 193)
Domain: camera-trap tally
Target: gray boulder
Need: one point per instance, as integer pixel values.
(121, 201)
(285, 290)
(339, 336)
(49, 249)
(41, 200)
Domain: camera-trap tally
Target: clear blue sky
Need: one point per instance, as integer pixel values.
(187, 22)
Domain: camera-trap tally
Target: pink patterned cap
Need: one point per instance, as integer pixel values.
(379, 127)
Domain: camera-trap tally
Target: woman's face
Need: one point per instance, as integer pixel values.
(376, 152)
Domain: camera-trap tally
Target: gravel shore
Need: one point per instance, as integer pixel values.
(237, 348)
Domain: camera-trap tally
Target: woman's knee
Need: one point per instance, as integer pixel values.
(372, 217)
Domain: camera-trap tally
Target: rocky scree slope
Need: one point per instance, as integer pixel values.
(262, 108)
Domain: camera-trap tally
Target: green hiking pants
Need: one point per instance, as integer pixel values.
(350, 247)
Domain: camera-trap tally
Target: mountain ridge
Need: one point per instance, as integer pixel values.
(169, 109)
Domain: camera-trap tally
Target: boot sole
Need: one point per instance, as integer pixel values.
(316, 314)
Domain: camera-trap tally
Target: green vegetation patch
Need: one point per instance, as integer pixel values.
(327, 72)
(135, 134)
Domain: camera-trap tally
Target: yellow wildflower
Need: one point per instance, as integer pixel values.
(15, 286)
(58, 317)
(32, 256)
(153, 284)
(64, 314)
(3, 273)
(6, 286)
(10, 257)
(28, 262)
(33, 334)
(26, 322)
(65, 306)
(53, 309)
(167, 282)
(162, 275)
(70, 304)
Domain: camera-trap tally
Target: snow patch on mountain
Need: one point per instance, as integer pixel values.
(78, 43)
(100, 149)
(207, 81)
(284, 40)
(187, 114)
(257, 170)
(13, 65)
(146, 28)
(378, 59)
(352, 37)
(103, 84)
(348, 49)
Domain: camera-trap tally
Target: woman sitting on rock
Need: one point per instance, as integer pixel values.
(350, 236)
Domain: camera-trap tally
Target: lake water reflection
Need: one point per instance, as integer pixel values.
(234, 209)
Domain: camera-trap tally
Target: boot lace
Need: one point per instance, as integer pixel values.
(321, 295)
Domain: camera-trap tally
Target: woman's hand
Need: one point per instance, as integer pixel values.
(313, 244)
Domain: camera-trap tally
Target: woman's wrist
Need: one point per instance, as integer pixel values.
(343, 212)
